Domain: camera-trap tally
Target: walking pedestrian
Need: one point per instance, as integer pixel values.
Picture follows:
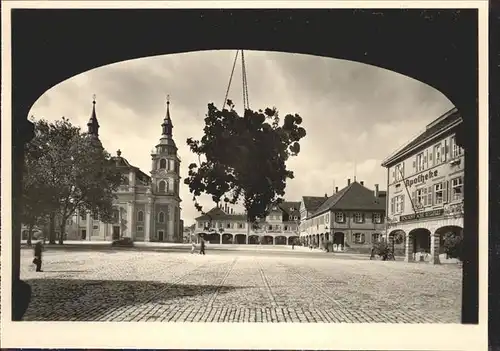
(37, 261)
(202, 247)
(193, 247)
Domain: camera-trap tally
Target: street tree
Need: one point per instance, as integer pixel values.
(77, 171)
(37, 196)
(243, 158)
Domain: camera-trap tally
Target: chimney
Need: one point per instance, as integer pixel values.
(362, 182)
(336, 189)
(348, 181)
(376, 190)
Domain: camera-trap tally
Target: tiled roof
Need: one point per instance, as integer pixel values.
(217, 213)
(432, 129)
(312, 203)
(353, 197)
(122, 162)
(287, 205)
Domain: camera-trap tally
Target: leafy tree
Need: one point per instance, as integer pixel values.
(244, 158)
(453, 245)
(77, 172)
(38, 200)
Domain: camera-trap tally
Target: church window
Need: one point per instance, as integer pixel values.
(161, 186)
(163, 163)
(140, 216)
(171, 165)
(161, 217)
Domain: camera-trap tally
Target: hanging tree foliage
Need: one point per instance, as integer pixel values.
(244, 158)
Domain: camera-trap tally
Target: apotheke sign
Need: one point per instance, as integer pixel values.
(421, 178)
(427, 214)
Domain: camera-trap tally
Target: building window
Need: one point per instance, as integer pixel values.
(327, 218)
(95, 216)
(456, 189)
(286, 228)
(437, 154)
(397, 204)
(140, 228)
(377, 218)
(359, 238)
(228, 225)
(116, 215)
(140, 216)
(399, 172)
(161, 217)
(200, 224)
(456, 150)
(376, 237)
(161, 186)
(420, 198)
(163, 163)
(83, 216)
(339, 217)
(358, 217)
(241, 225)
(420, 162)
(171, 165)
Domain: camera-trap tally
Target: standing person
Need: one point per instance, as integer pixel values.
(193, 247)
(38, 256)
(202, 247)
(293, 244)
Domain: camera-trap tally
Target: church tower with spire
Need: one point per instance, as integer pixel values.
(93, 125)
(165, 180)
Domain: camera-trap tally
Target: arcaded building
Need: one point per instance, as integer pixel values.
(147, 207)
(352, 218)
(425, 190)
(221, 225)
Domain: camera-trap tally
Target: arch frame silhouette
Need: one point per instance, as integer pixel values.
(436, 47)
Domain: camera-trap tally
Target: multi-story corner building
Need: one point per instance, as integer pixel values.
(146, 208)
(222, 225)
(425, 190)
(352, 218)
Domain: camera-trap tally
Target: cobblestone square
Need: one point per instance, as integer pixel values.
(180, 287)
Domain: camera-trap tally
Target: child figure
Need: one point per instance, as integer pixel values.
(193, 247)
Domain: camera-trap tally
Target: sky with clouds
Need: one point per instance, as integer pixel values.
(353, 113)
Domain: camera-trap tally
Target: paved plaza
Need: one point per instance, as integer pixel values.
(231, 287)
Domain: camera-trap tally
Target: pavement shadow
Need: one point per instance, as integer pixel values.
(89, 300)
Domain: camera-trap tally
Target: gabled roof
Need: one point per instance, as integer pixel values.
(432, 129)
(287, 205)
(217, 213)
(312, 203)
(353, 197)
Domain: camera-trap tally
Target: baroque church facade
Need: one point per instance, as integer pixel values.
(146, 207)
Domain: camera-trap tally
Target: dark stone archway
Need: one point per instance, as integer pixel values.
(253, 239)
(421, 241)
(437, 47)
(280, 240)
(240, 238)
(227, 238)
